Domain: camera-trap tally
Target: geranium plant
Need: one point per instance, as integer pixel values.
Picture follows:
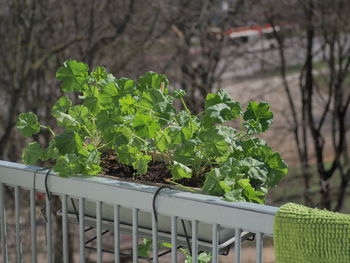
(136, 122)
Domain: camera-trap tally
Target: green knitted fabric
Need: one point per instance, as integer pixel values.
(307, 235)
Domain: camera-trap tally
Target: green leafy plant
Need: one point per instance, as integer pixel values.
(203, 257)
(137, 121)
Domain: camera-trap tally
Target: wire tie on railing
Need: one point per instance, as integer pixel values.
(46, 187)
(156, 216)
(34, 179)
(154, 201)
(42, 209)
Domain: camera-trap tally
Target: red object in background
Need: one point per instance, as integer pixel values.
(40, 196)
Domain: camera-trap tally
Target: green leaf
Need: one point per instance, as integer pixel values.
(109, 95)
(106, 120)
(178, 134)
(144, 248)
(32, 153)
(117, 135)
(141, 163)
(179, 93)
(152, 80)
(250, 193)
(253, 127)
(254, 169)
(127, 154)
(62, 105)
(126, 86)
(51, 152)
(214, 142)
(219, 108)
(92, 103)
(91, 161)
(179, 171)
(188, 152)
(28, 124)
(258, 113)
(99, 74)
(219, 113)
(145, 126)
(163, 141)
(66, 120)
(153, 99)
(91, 100)
(68, 165)
(68, 142)
(203, 257)
(80, 120)
(235, 195)
(212, 184)
(278, 169)
(127, 104)
(73, 75)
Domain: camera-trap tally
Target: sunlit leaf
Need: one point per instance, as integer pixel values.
(258, 113)
(73, 75)
(32, 153)
(28, 124)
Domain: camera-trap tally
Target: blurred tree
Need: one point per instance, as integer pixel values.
(201, 48)
(324, 31)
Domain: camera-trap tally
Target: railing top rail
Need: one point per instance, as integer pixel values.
(210, 209)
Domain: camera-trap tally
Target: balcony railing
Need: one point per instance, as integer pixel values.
(180, 218)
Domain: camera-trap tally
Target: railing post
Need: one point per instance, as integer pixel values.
(238, 233)
(33, 225)
(18, 225)
(99, 230)
(65, 229)
(259, 247)
(194, 240)
(135, 256)
(116, 217)
(173, 239)
(48, 229)
(82, 229)
(3, 224)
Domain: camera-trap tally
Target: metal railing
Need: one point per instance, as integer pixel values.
(200, 222)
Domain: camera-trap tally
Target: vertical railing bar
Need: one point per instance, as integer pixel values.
(135, 235)
(81, 229)
(194, 241)
(116, 234)
(3, 224)
(215, 244)
(33, 225)
(18, 225)
(259, 247)
(238, 245)
(173, 239)
(154, 238)
(48, 229)
(64, 229)
(99, 231)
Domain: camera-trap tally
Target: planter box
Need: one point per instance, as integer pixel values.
(226, 237)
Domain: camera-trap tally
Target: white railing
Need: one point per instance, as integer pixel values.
(199, 222)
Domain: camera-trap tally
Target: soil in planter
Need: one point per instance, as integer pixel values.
(157, 172)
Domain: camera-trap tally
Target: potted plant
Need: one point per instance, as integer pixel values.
(131, 129)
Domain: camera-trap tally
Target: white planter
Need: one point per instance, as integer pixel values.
(226, 237)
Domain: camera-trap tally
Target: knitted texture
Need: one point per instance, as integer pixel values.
(308, 235)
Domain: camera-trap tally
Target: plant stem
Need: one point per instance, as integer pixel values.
(182, 186)
(49, 129)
